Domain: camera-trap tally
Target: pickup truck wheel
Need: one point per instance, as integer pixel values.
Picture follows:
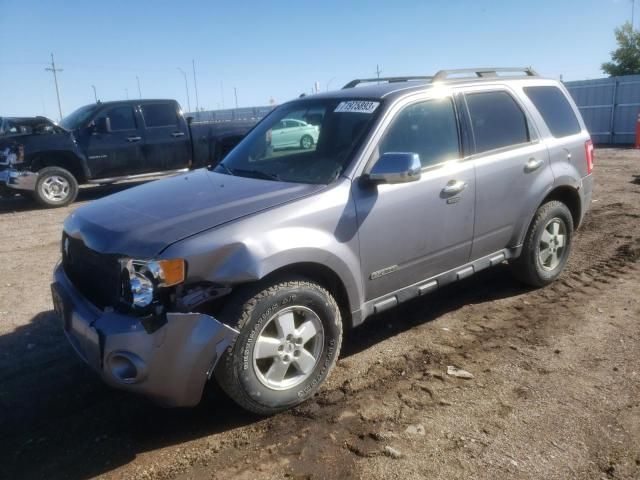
(306, 142)
(546, 247)
(290, 337)
(56, 187)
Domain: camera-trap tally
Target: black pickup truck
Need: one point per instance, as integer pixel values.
(107, 142)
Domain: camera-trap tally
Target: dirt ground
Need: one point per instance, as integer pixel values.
(555, 393)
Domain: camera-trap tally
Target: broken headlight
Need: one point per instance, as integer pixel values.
(142, 279)
(15, 156)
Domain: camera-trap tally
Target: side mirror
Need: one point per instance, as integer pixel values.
(103, 125)
(396, 167)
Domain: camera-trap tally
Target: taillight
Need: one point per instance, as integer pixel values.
(588, 147)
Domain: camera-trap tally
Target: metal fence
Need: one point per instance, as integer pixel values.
(230, 114)
(609, 106)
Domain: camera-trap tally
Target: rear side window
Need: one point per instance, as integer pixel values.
(429, 129)
(555, 110)
(159, 115)
(497, 120)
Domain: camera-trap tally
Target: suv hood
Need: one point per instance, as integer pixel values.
(143, 221)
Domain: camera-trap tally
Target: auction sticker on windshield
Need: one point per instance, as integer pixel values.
(357, 106)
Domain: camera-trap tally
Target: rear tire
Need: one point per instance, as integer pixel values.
(56, 187)
(290, 338)
(546, 247)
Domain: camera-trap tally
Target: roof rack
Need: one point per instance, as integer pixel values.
(482, 72)
(358, 81)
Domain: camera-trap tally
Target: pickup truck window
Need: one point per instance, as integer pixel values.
(78, 118)
(429, 129)
(122, 118)
(159, 115)
(286, 146)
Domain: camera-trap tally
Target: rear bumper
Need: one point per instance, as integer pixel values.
(18, 180)
(170, 364)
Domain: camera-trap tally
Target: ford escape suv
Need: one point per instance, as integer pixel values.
(249, 272)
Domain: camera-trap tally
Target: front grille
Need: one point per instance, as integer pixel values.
(96, 275)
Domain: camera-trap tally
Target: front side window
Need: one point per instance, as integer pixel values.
(555, 110)
(427, 128)
(121, 118)
(159, 115)
(307, 141)
(78, 118)
(497, 120)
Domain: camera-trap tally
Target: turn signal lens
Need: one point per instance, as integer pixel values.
(173, 271)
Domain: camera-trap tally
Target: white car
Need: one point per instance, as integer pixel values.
(290, 132)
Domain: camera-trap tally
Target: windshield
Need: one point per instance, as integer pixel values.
(304, 142)
(78, 118)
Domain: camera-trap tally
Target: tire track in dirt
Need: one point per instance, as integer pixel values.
(61, 421)
(348, 420)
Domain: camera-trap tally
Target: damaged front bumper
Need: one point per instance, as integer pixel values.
(12, 179)
(170, 364)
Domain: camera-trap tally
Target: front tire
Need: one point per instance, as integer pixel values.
(306, 142)
(290, 338)
(56, 187)
(546, 247)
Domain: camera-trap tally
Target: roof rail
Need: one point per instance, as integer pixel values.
(482, 72)
(358, 81)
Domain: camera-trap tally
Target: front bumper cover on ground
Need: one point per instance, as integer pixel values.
(171, 364)
(18, 180)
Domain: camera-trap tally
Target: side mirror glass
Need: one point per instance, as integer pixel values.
(396, 167)
(103, 125)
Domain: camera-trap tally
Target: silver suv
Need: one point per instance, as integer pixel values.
(250, 270)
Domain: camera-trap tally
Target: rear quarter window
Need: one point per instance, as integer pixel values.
(555, 110)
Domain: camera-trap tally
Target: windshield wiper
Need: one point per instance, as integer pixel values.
(255, 174)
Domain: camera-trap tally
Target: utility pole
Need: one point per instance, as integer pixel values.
(195, 83)
(95, 94)
(139, 91)
(235, 93)
(633, 11)
(55, 80)
(222, 93)
(186, 87)
(126, 92)
(378, 72)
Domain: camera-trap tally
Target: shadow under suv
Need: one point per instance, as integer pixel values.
(251, 270)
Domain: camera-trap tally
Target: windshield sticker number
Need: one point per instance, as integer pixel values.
(357, 106)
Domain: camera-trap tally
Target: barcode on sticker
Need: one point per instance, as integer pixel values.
(357, 106)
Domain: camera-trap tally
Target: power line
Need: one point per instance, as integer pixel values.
(55, 70)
